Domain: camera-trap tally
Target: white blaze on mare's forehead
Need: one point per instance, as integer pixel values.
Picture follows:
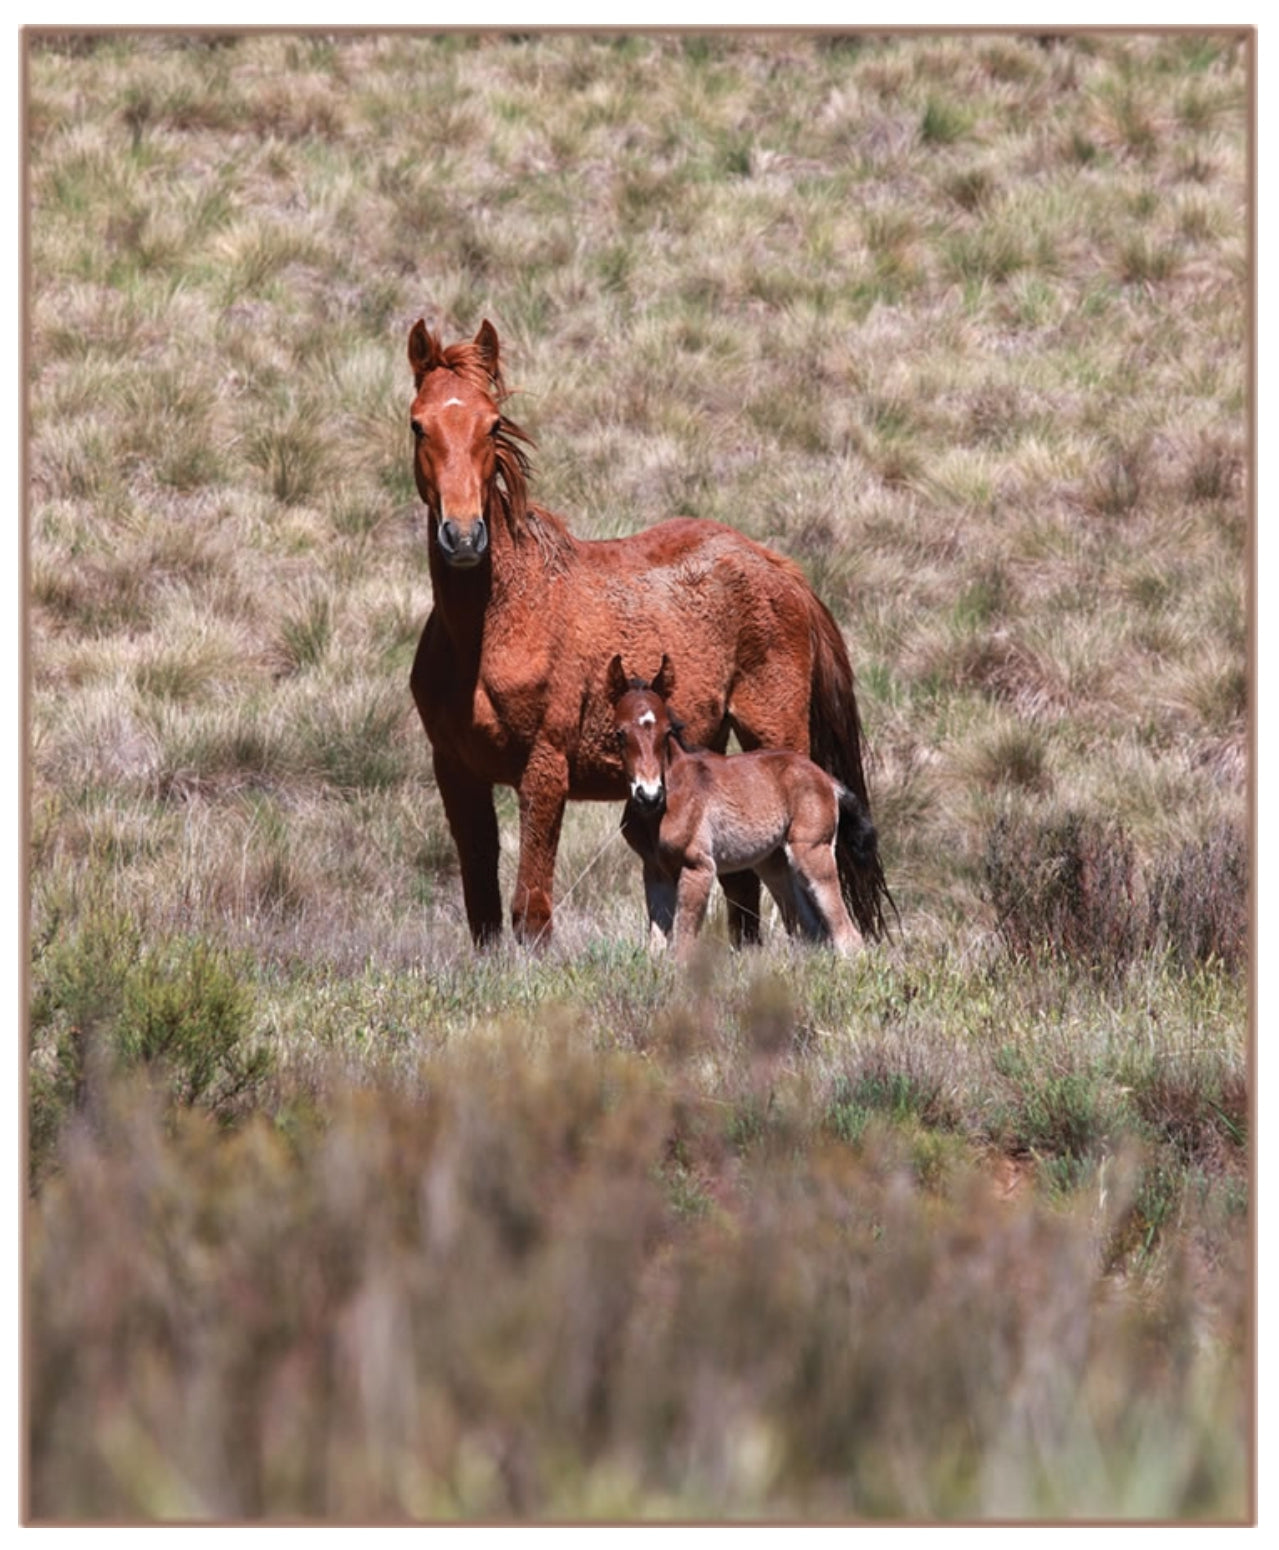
(646, 719)
(449, 402)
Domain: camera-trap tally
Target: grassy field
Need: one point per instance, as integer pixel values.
(330, 1218)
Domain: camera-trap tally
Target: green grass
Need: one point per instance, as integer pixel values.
(330, 1217)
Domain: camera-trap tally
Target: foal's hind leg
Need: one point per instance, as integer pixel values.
(823, 913)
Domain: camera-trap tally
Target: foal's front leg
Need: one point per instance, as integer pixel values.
(692, 895)
(543, 791)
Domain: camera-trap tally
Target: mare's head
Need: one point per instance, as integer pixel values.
(643, 726)
(467, 458)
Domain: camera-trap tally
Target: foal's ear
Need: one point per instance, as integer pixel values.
(616, 679)
(664, 683)
(486, 343)
(424, 352)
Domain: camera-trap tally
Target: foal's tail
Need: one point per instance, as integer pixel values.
(835, 743)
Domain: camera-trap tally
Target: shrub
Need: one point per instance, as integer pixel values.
(186, 1012)
(106, 1000)
(886, 1090)
(942, 123)
(504, 1297)
(1199, 900)
(1064, 890)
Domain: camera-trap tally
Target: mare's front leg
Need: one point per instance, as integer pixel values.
(543, 791)
(659, 896)
(472, 818)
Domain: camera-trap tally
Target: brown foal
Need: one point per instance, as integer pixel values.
(693, 815)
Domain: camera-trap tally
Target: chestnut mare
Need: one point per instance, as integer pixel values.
(510, 677)
(693, 814)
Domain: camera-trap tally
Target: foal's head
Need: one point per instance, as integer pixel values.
(466, 456)
(643, 726)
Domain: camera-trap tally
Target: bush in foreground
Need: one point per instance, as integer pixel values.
(550, 1284)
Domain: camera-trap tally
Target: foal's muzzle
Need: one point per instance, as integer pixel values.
(463, 549)
(649, 799)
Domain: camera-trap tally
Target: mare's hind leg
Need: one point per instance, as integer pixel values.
(776, 874)
(468, 806)
(741, 890)
(823, 914)
(771, 711)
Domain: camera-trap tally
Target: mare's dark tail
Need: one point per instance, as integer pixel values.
(835, 743)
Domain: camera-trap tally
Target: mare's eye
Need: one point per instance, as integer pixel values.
(619, 737)
(416, 427)
(496, 426)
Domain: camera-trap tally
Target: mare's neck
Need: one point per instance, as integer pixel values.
(467, 599)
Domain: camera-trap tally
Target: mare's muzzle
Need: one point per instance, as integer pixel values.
(463, 547)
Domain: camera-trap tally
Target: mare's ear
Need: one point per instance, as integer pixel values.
(664, 683)
(617, 682)
(486, 343)
(424, 352)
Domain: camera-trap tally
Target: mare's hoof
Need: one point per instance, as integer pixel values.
(532, 924)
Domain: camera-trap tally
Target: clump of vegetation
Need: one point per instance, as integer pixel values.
(492, 1299)
(1199, 900)
(108, 999)
(1064, 890)
(1068, 889)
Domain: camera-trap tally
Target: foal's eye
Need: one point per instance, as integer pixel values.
(496, 426)
(619, 737)
(416, 427)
